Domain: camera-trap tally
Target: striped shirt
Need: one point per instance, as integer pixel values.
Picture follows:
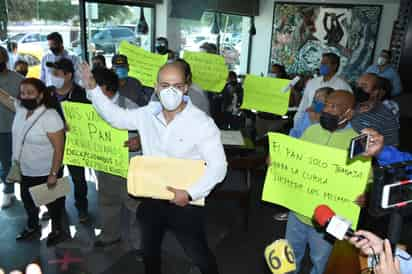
(381, 119)
(50, 57)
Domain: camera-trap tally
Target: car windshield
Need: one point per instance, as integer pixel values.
(17, 37)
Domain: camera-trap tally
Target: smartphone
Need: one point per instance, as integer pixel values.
(358, 145)
(397, 194)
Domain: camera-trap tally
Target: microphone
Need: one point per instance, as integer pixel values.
(336, 226)
(280, 257)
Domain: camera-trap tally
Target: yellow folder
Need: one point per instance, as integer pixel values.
(149, 176)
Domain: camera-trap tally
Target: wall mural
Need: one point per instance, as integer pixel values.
(302, 32)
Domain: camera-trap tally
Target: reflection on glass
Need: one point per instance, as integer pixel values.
(233, 38)
(29, 22)
(108, 25)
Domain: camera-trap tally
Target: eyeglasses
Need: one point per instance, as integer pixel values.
(179, 86)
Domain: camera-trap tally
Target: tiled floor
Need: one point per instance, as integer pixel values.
(238, 251)
(225, 230)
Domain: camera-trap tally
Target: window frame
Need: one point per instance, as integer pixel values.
(83, 21)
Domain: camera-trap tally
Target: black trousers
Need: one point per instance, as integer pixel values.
(56, 209)
(80, 187)
(187, 223)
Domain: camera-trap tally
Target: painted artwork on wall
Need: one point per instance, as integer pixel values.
(302, 32)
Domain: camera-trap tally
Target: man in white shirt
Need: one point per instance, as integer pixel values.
(329, 67)
(174, 128)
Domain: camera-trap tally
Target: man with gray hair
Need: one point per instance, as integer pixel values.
(9, 83)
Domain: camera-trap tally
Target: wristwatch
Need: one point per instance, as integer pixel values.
(53, 173)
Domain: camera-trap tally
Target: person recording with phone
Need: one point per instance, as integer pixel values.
(371, 112)
(372, 245)
(385, 155)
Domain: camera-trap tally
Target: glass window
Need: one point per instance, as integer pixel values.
(233, 39)
(29, 23)
(109, 24)
(30, 59)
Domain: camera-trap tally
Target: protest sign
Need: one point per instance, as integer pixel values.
(303, 175)
(92, 142)
(266, 94)
(209, 70)
(143, 65)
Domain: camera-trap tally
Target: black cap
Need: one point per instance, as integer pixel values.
(119, 60)
(63, 64)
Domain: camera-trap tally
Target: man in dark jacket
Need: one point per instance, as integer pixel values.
(65, 89)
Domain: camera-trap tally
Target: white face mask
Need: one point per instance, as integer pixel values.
(171, 98)
(381, 61)
(57, 82)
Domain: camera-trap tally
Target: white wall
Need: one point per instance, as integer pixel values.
(261, 41)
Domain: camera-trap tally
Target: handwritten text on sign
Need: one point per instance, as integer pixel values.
(143, 65)
(91, 142)
(209, 70)
(266, 94)
(303, 175)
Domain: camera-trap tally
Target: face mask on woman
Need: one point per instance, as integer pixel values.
(29, 104)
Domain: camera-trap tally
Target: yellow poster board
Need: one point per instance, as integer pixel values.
(303, 175)
(143, 65)
(92, 142)
(209, 70)
(266, 94)
(149, 176)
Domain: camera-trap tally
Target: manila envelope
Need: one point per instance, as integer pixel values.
(149, 176)
(43, 195)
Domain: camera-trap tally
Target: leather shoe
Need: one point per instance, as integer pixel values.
(102, 244)
(28, 233)
(56, 237)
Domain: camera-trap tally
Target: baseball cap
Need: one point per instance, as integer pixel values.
(63, 64)
(119, 60)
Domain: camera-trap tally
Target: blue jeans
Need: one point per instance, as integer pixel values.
(299, 235)
(5, 160)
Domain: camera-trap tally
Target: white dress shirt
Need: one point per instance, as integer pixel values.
(190, 135)
(314, 84)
